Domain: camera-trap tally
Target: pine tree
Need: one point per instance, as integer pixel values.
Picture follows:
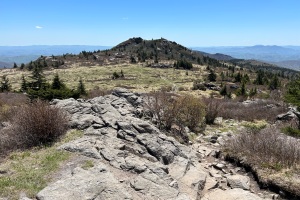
(243, 91)
(274, 83)
(22, 66)
(15, 65)
(24, 84)
(57, 84)
(253, 92)
(293, 96)
(238, 77)
(260, 78)
(212, 76)
(81, 88)
(5, 85)
(39, 81)
(222, 76)
(223, 91)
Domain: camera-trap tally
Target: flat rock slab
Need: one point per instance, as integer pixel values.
(95, 183)
(232, 194)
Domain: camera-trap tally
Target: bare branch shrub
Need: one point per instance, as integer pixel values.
(39, 123)
(213, 107)
(9, 101)
(8, 142)
(191, 111)
(169, 110)
(156, 104)
(258, 110)
(266, 148)
(96, 92)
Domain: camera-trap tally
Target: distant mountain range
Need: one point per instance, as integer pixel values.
(284, 56)
(25, 54)
(5, 65)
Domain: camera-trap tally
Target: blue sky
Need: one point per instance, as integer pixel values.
(188, 22)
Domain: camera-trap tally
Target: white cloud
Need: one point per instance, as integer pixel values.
(38, 27)
(125, 18)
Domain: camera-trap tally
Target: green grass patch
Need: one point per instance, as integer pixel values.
(256, 125)
(87, 164)
(29, 171)
(294, 132)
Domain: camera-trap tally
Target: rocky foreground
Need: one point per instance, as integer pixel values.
(132, 159)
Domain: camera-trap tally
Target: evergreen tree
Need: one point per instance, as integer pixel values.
(260, 78)
(5, 85)
(238, 77)
(24, 84)
(293, 93)
(222, 76)
(293, 96)
(81, 88)
(15, 65)
(274, 83)
(57, 84)
(246, 78)
(22, 66)
(243, 91)
(39, 81)
(223, 91)
(212, 76)
(253, 92)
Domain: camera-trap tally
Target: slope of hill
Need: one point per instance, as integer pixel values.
(218, 56)
(24, 54)
(5, 65)
(292, 64)
(153, 53)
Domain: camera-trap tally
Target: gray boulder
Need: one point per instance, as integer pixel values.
(239, 181)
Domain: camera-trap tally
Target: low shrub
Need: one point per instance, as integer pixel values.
(267, 147)
(96, 92)
(257, 110)
(39, 123)
(198, 85)
(8, 142)
(192, 111)
(213, 107)
(174, 113)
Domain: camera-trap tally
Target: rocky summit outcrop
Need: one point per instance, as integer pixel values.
(132, 159)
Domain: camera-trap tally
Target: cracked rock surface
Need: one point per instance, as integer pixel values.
(134, 160)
